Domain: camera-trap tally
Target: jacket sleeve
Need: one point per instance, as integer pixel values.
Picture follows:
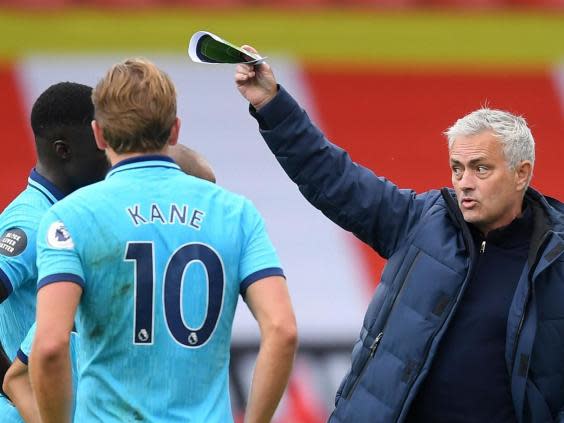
(352, 196)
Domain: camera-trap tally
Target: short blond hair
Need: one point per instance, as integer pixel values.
(135, 105)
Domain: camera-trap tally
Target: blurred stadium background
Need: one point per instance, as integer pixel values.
(383, 78)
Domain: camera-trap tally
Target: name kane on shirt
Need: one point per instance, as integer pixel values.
(175, 214)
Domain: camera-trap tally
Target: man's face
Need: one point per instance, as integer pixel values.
(489, 194)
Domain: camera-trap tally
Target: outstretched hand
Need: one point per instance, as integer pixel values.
(255, 82)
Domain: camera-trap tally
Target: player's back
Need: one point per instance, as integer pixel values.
(164, 260)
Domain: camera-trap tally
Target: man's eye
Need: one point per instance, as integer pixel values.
(482, 169)
(456, 170)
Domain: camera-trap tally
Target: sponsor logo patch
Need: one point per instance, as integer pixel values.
(13, 242)
(59, 237)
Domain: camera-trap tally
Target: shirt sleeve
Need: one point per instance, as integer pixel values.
(17, 257)
(57, 256)
(259, 259)
(25, 347)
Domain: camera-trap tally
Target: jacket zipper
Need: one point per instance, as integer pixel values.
(376, 342)
(373, 348)
(518, 334)
(522, 320)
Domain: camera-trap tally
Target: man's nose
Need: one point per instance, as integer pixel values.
(467, 181)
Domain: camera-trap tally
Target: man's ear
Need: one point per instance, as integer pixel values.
(523, 174)
(99, 135)
(62, 149)
(174, 131)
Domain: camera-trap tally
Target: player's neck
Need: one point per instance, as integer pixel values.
(56, 178)
(116, 158)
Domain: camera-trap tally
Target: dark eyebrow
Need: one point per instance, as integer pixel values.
(471, 162)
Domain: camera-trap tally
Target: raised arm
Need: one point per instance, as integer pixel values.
(269, 301)
(352, 196)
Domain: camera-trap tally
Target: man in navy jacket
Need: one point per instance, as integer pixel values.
(467, 323)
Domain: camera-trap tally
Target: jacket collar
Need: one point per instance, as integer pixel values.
(546, 218)
(548, 215)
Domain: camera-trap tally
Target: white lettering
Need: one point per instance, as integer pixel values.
(7, 248)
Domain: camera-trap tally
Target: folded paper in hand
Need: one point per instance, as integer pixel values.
(206, 47)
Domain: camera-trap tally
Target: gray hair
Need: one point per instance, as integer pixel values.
(511, 130)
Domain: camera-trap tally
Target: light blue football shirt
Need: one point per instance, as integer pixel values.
(162, 258)
(18, 271)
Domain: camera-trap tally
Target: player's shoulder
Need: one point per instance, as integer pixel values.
(30, 199)
(224, 197)
(195, 185)
(85, 197)
(19, 224)
(24, 211)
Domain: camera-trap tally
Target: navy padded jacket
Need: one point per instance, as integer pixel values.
(430, 256)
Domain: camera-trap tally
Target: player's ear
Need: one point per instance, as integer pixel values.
(62, 149)
(174, 131)
(99, 135)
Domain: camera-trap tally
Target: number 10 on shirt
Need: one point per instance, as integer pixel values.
(143, 254)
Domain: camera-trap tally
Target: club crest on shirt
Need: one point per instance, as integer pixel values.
(59, 237)
(13, 242)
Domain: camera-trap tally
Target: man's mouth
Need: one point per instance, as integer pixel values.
(468, 203)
